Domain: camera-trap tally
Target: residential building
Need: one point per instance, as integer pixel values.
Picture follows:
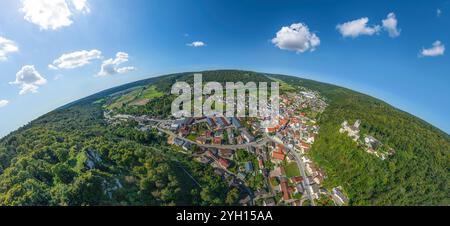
(178, 142)
(339, 196)
(248, 167)
(246, 135)
(187, 146)
(226, 153)
(269, 202)
(224, 163)
(284, 189)
(278, 157)
(235, 121)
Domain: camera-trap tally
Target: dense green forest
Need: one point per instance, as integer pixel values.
(70, 156)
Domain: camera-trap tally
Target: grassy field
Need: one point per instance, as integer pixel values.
(151, 92)
(284, 86)
(192, 137)
(292, 170)
(137, 97)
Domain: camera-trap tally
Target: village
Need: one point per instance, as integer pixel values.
(270, 165)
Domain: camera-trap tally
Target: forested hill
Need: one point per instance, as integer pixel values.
(418, 173)
(71, 156)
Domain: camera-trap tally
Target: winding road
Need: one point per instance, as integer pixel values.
(257, 143)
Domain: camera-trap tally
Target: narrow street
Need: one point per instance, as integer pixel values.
(301, 167)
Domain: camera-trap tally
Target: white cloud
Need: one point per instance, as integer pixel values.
(81, 5)
(124, 70)
(3, 103)
(438, 12)
(6, 47)
(196, 44)
(296, 37)
(111, 66)
(29, 79)
(437, 49)
(390, 25)
(52, 14)
(75, 59)
(47, 14)
(357, 27)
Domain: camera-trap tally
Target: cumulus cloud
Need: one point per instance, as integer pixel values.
(111, 66)
(196, 44)
(52, 14)
(296, 37)
(390, 25)
(357, 27)
(81, 5)
(47, 14)
(437, 49)
(29, 79)
(75, 59)
(3, 103)
(6, 47)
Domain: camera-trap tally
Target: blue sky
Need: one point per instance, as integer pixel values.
(136, 39)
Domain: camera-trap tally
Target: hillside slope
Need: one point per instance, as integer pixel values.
(418, 174)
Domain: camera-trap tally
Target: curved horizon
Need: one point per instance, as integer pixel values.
(245, 70)
(382, 48)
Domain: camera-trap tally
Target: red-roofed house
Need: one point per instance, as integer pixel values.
(280, 148)
(217, 140)
(260, 163)
(305, 146)
(284, 189)
(224, 163)
(283, 122)
(278, 156)
(296, 180)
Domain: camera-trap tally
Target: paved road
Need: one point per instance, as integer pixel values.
(305, 181)
(260, 142)
(234, 146)
(301, 167)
